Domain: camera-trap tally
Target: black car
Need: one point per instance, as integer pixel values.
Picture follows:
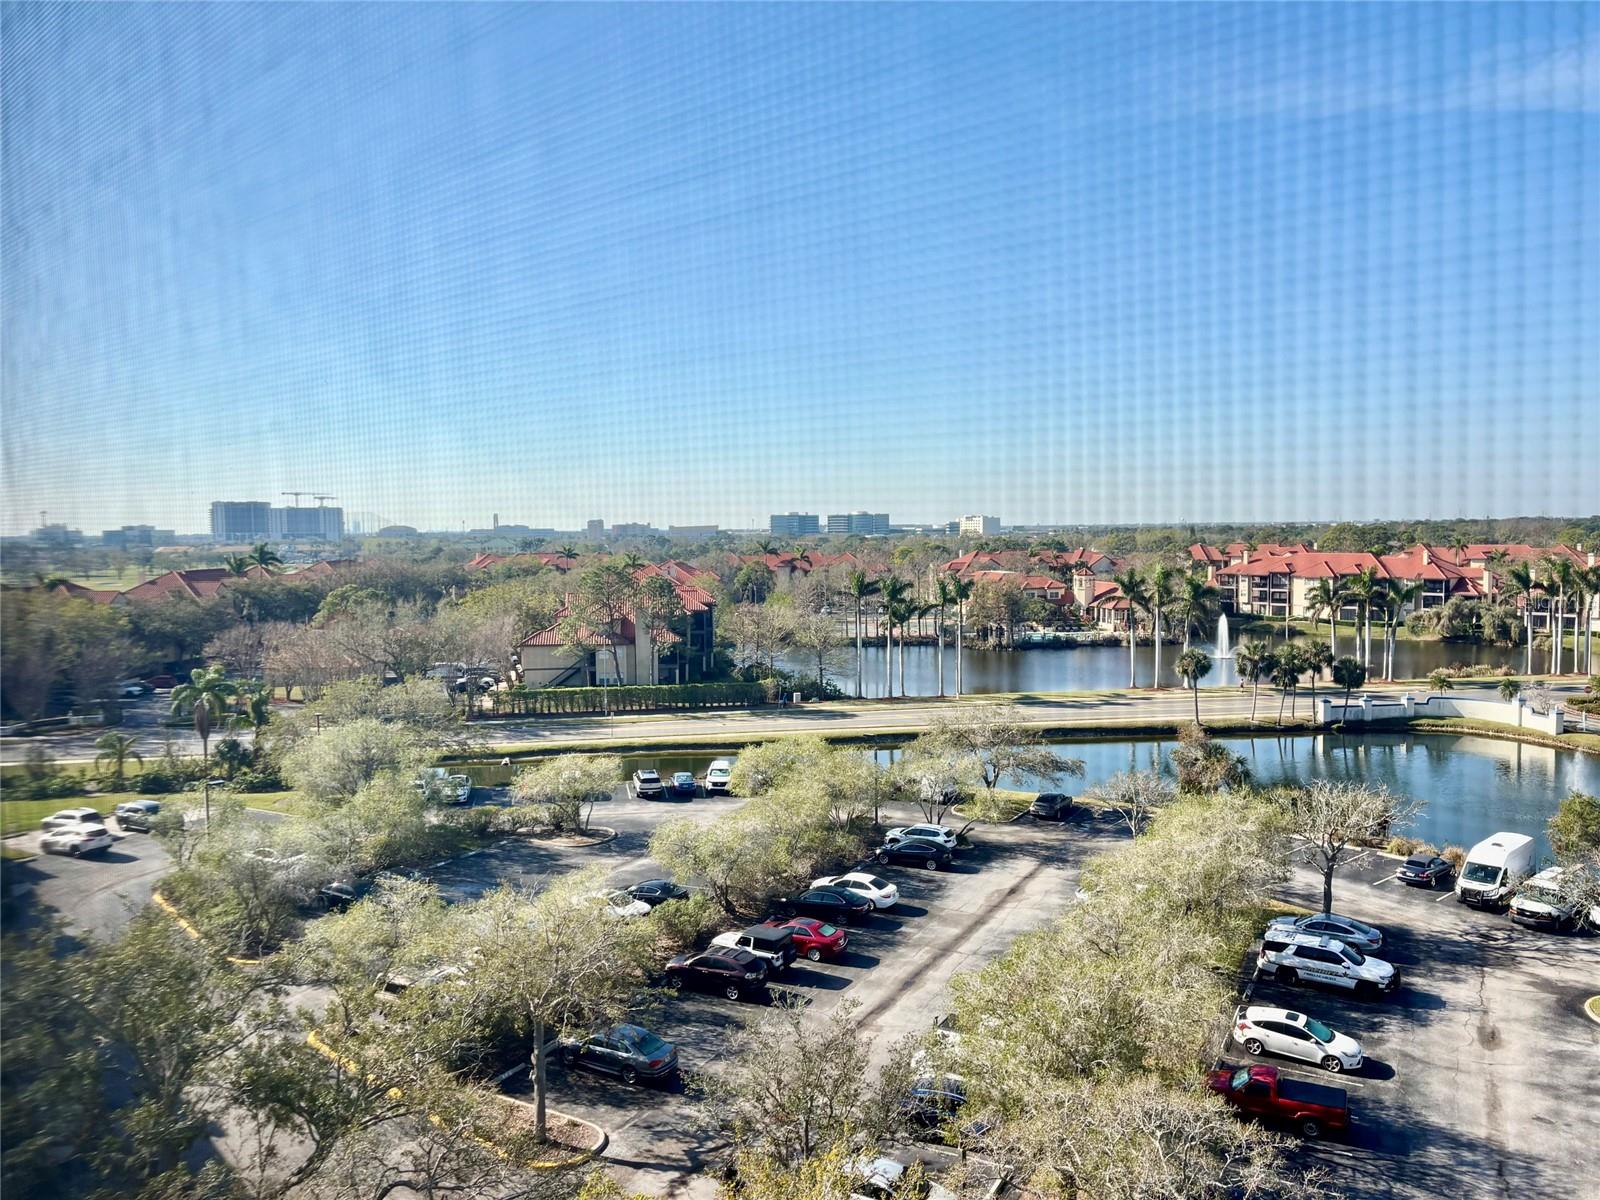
(629, 1052)
(1424, 870)
(934, 1101)
(647, 785)
(837, 905)
(684, 785)
(340, 895)
(658, 891)
(1051, 806)
(734, 973)
(916, 852)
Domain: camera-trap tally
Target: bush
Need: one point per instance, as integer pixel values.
(480, 821)
(1456, 856)
(682, 925)
(264, 778)
(48, 787)
(521, 701)
(1402, 845)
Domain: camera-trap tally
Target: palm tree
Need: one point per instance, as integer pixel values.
(1316, 657)
(1590, 578)
(255, 708)
(1510, 689)
(1521, 581)
(1440, 681)
(1286, 668)
(1361, 588)
(1192, 666)
(1492, 562)
(237, 564)
(765, 546)
(264, 556)
(1252, 661)
(116, 749)
(207, 696)
(1349, 674)
(568, 551)
(859, 587)
(894, 590)
(960, 593)
(1560, 577)
(1397, 597)
(901, 611)
(1159, 590)
(1133, 592)
(1197, 603)
(633, 560)
(1327, 596)
(943, 597)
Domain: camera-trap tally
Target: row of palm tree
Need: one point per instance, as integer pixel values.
(1283, 666)
(210, 698)
(1187, 596)
(901, 607)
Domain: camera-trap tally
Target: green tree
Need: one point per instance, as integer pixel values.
(332, 765)
(1363, 588)
(205, 698)
(1441, 681)
(1160, 591)
(1509, 689)
(1193, 666)
(1133, 590)
(1327, 596)
(1317, 659)
(597, 610)
(1349, 674)
(567, 786)
(944, 595)
(238, 564)
(999, 744)
(754, 582)
(254, 708)
(894, 591)
(1254, 662)
(859, 587)
(961, 592)
(264, 556)
(116, 749)
(1197, 605)
(1522, 583)
(1575, 828)
(1286, 669)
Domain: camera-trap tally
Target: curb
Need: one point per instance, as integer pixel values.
(602, 1139)
(166, 906)
(1591, 1008)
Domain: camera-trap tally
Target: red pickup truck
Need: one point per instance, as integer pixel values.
(1312, 1108)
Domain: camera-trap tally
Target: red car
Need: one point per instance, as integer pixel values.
(1259, 1091)
(815, 939)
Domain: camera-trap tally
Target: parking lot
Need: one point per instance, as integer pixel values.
(1483, 1073)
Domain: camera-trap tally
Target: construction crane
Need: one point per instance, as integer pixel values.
(296, 496)
(320, 499)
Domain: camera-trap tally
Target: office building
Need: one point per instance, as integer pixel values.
(691, 533)
(979, 525)
(793, 525)
(864, 523)
(595, 530)
(134, 537)
(302, 524)
(56, 536)
(240, 520)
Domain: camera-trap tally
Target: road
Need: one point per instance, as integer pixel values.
(1088, 710)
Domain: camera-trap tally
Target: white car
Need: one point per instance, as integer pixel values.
(1294, 1035)
(1347, 929)
(881, 892)
(76, 839)
(70, 816)
(1294, 958)
(615, 904)
(719, 777)
(941, 834)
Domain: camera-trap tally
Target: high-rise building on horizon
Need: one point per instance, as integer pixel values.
(978, 525)
(240, 520)
(865, 523)
(131, 537)
(793, 524)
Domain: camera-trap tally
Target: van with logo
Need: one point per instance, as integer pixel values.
(1493, 869)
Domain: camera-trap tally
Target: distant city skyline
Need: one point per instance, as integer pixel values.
(691, 265)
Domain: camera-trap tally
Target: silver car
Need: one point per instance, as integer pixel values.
(1347, 929)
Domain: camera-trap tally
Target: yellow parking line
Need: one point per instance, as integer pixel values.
(166, 906)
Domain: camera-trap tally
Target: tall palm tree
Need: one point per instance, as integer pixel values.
(1521, 581)
(1253, 661)
(894, 590)
(960, 593)
(1192, 665)
(264, 556)
(237, 564)
(1590, 577)
(206, 697)
(1397, 598)
(1197, 604)
(1349, 674)
(1132, 586)
(1493, 561)
(1286, 668)
(901, 611)
(1316, 657)
(254, 708)
(766, 546)
(1326, 596)
(1160, 591)
(633, 560)
(568, 551)
(116, 749)
(943, 597)
(859, 587)
(1361, 588)
(1560, 578)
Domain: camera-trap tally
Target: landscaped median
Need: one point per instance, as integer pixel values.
(187, 926)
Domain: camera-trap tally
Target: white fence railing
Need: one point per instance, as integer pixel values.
(1399, 708)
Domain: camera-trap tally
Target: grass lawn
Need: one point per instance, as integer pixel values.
(20, 816)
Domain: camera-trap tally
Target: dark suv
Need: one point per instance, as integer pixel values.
(1051, 806)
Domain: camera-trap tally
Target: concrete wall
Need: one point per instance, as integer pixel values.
(1384, 708)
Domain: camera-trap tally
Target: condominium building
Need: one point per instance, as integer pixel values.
(869, 524)
(979, 525)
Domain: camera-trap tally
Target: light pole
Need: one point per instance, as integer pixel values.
(211, 783)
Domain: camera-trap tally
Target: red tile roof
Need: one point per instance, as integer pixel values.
(78, 592)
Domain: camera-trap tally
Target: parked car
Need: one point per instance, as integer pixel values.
(884, 1179)
(400, 982)
(736, 974)
(1292, 957)
(1294, 1035)
(1493, 869)
(684, 785)
(658, 891)
(341, 894)
(76, 840)
(835, 905)
(773, 946)
(1260, 1091)
(646, 784)
(941, 835)
(436, 783)
(916, 852)
(719, 777)
(71, 816)
(136, 816)
(814, 938)
(1542, 902)
(132, 689)
(881, 892)
(1348, 930)
(1424, 870)
(629, 1052)
(614, 903)
(1051, 806)
(933, 1100)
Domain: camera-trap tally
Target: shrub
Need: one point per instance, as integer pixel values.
(480, 821)
(1456, 856)
(1402, 845)
(518, 818)
(264, 778)
(682, 925)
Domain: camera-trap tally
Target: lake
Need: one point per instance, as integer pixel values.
(1472, 786)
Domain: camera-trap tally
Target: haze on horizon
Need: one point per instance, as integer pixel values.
(696, 264)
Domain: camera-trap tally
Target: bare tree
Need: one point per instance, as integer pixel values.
(1335, 817)
(1135, 796)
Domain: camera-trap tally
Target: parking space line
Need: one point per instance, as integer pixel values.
(1443, 896)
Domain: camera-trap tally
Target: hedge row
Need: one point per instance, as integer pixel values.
(644, 698)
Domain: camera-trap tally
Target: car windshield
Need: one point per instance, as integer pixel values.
(1350, 956)
(649, 1045)
(1318, 1030)
(1481, 873)
(1240, 1078)
(1540, 895)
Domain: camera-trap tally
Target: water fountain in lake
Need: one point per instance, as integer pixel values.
(1223, 653)
(1224, 647)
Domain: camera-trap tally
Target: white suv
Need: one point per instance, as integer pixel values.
(76, 840)
(1293, 957)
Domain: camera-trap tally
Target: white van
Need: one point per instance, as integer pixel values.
(1540, 902)
(1493, 869)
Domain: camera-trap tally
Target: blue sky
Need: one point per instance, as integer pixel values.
(700, 263)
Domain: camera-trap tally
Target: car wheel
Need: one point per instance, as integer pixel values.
(630, 1076)
(76, 852)
(1311, 1127)
(1367, 990)
(731, 992)
(676, 981)
(570, 1058)
(1254, 1046)
(1330, 1062)
(814, 954)
(1289, 977)
(932, 864)
(882, 857)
